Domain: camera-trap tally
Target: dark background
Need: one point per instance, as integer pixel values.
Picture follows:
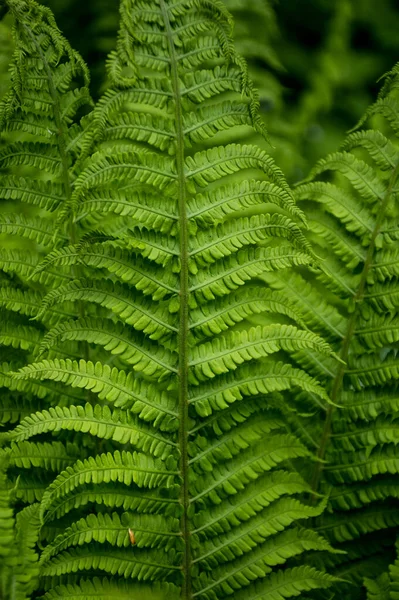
(315, 62)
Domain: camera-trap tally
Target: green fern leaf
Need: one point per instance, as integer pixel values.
(169, 229)
(351, 300)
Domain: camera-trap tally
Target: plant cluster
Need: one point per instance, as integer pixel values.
(198, 361)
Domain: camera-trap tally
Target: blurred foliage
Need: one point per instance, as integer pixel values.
(315, 62)
(5, 54)
(334, 53)
(90, 26)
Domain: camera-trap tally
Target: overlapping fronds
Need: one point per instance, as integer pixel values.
(185, 484)
(352, 301)
(39, 119)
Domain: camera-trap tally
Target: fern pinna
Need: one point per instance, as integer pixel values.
(185, 486)
(352, 300)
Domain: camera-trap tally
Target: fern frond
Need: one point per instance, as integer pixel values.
(352, 300)
(39, 230)
(153, 531)
(247, 381)
(39, 118)
(216, 317)
(226, 353)
(134, 310)
(143, 209)
(114, 496)
(289, 583)
(273, 552)
(102, 256)
(217, 204)
(26, 302)
(6, 523)
(170, 228)
(39, 389)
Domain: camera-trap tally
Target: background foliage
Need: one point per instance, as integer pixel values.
(315, 63)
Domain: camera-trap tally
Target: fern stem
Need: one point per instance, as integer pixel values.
(183, 317)
(346, 342)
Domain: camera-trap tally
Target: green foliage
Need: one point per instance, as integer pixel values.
(198, 364)
(40, 122)
(350, 300)
(167, 296)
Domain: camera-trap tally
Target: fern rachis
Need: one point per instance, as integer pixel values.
(183, 329)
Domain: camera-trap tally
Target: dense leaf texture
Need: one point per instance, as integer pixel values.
(39, 118)
(185, 475)
(352, 301)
